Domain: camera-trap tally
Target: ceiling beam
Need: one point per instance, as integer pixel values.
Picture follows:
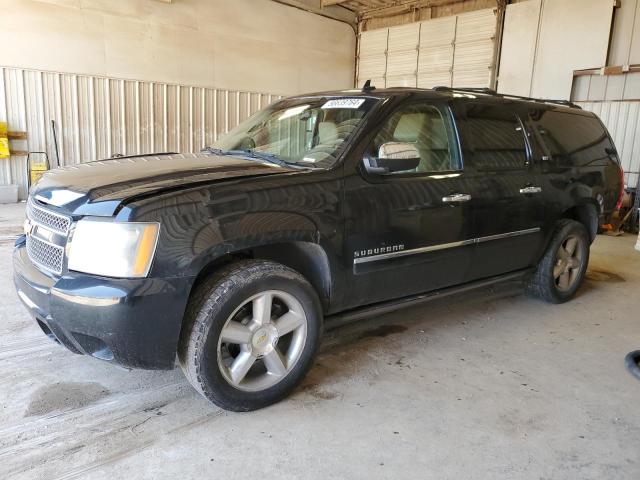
(405, 6)
(327, 3)
(335, 12)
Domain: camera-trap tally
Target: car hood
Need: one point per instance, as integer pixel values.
(100, 187)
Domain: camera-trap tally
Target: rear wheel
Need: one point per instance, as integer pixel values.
(562, 268)
(251, 335)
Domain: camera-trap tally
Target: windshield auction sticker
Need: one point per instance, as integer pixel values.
(344, 103)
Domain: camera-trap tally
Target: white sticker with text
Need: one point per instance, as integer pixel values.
(344, 103)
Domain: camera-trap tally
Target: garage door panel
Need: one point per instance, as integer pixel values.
(373, 42)
(434, 78)
(372, 67)
(472, 77)
(438, 32)
(435, 57)
(402, 62)
(473, 54)
(404, 38)
(474, 26)
(401, 81)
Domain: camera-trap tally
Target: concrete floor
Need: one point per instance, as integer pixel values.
(472, 388)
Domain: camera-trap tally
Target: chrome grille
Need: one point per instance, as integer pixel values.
(44, 254)
(47, 237)
(48, 219)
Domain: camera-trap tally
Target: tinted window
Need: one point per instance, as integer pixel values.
(572, 138)
(427, 127)
(496, 136)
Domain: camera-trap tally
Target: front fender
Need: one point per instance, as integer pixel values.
(249, 232)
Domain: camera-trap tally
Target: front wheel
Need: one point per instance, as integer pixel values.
(251, 334)
(563, 266)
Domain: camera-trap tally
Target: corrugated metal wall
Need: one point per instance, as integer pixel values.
(616, 100)
(98, 117)
(452, 51)
(622, 119)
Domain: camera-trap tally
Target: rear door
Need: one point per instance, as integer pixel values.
(508, 215)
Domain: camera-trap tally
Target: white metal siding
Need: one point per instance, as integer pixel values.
(99, 117)
(616, 100)
(622, 119)
(456, 50)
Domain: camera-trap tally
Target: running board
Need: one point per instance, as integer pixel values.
(349, 316)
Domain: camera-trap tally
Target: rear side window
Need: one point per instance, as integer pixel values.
(572, 138)
(496, 136)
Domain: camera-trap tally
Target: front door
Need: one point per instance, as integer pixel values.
(410, 231)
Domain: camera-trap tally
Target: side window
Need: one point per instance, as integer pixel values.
(572, 138)
(429, 129)
(496, 136)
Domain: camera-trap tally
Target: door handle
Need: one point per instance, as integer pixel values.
(456, 198)
(530, 189)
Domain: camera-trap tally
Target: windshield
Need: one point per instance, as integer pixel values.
(310, 132)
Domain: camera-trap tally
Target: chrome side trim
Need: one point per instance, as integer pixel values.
(413, 251)
(443, 246)
(507, 235)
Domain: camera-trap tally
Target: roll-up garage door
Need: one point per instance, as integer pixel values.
(372, 60)
(452, 51)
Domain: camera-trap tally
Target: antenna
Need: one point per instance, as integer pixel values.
(367, 86)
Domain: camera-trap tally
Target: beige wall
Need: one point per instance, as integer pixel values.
(625, 38)
(253, 45)
(559, 46)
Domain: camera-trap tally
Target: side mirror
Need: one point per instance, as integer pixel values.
(393, 157)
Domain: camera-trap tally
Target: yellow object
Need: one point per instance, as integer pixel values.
(4, 140)
(37, 166)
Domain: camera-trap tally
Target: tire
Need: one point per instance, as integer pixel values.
(234, 350)
(545, 283)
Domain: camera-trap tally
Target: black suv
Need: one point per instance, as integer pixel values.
(324, 206)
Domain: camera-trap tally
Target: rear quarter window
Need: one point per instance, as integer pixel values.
(571, 138)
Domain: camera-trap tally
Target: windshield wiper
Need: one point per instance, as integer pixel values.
(215, 151)
(267, 157)
(251, 153)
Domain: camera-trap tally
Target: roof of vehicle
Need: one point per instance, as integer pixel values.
(438, 92)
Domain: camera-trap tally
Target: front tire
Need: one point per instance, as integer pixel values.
(564, 264)
(251, 333)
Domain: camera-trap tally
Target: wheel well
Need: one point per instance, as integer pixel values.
(309, 259)
(586, 214)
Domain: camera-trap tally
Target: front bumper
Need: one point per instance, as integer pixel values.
(132, 322)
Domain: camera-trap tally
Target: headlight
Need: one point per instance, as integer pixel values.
(113, 249)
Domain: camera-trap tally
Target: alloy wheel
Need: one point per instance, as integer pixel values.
(262, 340)
(569, 258)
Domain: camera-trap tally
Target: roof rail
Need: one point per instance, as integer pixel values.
(489, 91)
